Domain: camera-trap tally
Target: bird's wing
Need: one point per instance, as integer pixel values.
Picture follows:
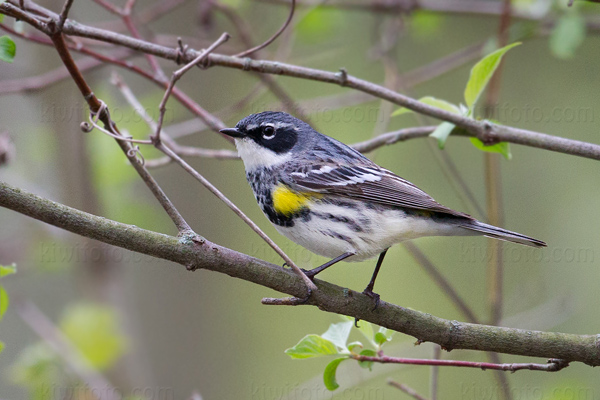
(367, 182)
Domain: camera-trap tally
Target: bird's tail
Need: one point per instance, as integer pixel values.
(502, 234)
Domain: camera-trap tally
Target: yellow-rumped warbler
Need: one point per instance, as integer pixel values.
(332, 200)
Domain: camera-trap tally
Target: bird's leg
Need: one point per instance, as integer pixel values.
(311, 274)
(369, 289)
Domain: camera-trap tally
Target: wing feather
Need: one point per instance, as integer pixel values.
(367, 182)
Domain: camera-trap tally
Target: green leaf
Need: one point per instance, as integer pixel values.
(366, 328)
(329, 374)
(7, 270)
(338, 334)
(432, 101)
(442, 132)
(94, 330)
(312, 346)
(384, 335)
(1, 342)
(354, 345)
(367, 364)
(8, 49)
(481, 74)
(568, 34)
(3, 302)
(502, 147)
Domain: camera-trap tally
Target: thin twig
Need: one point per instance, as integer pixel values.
(128, 21)
(177, 75)
(110, 7)
(309, 284)
(441, 281)
(244, 33)
(393, 137)
(49, 78)
(435, 373)
(553, 365)
(64, 14)
(406, 389)
(272, 38)
(285, 301)
(129, 6)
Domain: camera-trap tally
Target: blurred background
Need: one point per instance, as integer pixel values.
(156, 331)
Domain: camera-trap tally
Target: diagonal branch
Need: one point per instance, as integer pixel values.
(96, 108)
(206, 255)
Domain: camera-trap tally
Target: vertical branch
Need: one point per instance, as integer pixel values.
(435, 373)
(493, 179)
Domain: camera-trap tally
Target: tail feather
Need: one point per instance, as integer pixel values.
(502, 234)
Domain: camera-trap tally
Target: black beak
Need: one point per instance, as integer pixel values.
(233, 132)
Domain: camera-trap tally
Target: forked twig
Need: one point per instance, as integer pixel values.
(178, 74)
(63, 14)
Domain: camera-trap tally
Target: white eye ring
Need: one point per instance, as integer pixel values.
(268, 132)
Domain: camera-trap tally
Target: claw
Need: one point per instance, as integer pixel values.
(297, 301)
(374, 296)
(308, 272)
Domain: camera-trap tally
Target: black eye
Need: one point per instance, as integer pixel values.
(268, 132)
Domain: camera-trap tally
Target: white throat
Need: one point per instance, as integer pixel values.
(255, 156)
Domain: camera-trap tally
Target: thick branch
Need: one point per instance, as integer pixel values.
(329, 297)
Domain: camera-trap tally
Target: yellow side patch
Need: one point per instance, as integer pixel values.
(288, 202)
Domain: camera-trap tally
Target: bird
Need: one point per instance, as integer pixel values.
(329, 198)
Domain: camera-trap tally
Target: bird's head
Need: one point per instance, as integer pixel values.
(269, 138)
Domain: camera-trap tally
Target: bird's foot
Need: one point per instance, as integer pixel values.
(309, 273)
(376, 298)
